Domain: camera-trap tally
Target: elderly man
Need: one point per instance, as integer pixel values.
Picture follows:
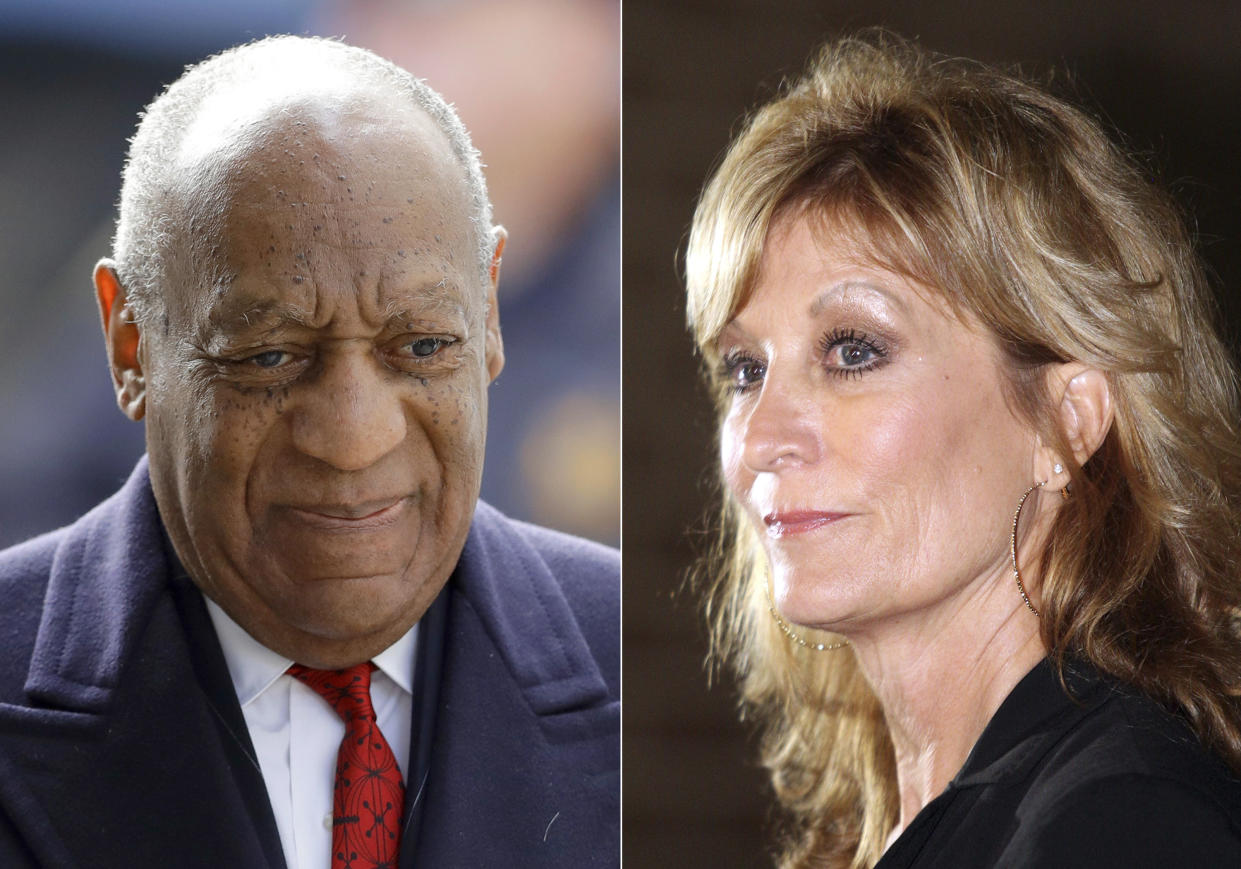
(295, 637)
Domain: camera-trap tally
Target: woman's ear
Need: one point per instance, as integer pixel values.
(1084, 412)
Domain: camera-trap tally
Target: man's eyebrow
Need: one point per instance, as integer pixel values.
(403, 312)
(257, 317)
(438, 298)
(263, 318)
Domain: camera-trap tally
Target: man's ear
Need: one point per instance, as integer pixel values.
(122, 337)
(1085, 414)
(495, 343)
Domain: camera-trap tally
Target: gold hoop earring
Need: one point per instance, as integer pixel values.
(788, 632)
(1017, 573)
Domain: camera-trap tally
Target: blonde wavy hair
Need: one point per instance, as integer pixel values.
(1021, 212)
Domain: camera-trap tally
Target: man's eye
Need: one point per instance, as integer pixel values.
(424, 347)
(269, 359)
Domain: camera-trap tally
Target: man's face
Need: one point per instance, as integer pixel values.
(316, 427)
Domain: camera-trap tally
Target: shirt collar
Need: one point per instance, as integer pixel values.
(254, 667)
(397, 661)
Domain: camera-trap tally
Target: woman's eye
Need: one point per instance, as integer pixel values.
(269, 359)
(851, 353)
(742, 371)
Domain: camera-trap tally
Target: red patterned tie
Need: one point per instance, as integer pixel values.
(369, 793)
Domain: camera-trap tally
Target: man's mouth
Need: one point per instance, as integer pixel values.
(355, 516)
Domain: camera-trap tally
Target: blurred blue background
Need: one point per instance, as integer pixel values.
(535, 81)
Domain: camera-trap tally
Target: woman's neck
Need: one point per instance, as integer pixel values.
(940, 677)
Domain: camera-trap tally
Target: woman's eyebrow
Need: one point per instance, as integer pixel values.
(842, 289)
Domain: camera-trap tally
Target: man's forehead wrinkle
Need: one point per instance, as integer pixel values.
(230, 317)
(305, 180)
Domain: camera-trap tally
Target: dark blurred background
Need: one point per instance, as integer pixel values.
(535, 81)
(1166, 75)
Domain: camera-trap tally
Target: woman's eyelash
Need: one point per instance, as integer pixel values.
(849, 353)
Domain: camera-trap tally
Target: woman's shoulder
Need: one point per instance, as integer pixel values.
(1128, 784)
(1130, 818)
(1080, 771)
(1120, 734)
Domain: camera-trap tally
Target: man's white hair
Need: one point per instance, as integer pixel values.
(165, 229)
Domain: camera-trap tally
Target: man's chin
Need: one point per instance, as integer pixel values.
(325, 621)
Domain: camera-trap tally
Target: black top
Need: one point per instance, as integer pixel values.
(1109, 778)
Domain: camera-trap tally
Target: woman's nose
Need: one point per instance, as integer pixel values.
(352, 416)
(779, 429)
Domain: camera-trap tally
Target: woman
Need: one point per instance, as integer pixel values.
(976, 425)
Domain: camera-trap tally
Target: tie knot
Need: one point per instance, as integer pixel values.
(348, 691)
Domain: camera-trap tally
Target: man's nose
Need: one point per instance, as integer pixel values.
(780, 429)
(352, 416)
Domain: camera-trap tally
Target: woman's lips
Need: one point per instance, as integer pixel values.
(793, 522)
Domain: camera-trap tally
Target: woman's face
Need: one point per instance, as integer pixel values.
(868, 438)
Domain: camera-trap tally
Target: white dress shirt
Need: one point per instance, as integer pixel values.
(297, 734)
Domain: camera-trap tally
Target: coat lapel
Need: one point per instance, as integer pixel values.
(525, 765)
(118, 758)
